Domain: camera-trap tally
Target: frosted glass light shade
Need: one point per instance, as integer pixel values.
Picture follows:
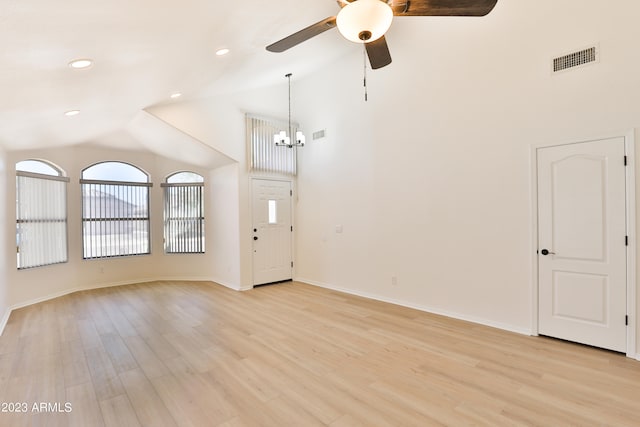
(364, 21)
(281, 138)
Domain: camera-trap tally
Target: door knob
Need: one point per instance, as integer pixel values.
(546, 252)
(255, 237)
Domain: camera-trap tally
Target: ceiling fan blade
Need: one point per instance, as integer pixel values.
(378, 53)
(443, 7)
(303, 35)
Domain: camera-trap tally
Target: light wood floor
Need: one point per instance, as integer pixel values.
(197, 354)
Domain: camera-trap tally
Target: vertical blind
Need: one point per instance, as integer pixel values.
(183, 218)
(115, 218)
(264, 155)
(41, 219)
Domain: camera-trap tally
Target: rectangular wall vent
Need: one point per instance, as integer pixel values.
(575, 59)
(319, 134)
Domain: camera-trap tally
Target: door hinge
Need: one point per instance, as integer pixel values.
(625, 160)
(292, 228)
(626, 240)
(291, 264)
(291, 191)
(626, 320)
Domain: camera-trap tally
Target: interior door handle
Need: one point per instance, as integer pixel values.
(255, 237)
(546, 252)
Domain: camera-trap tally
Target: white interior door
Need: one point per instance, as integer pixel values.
(582, 243)
(272, 230)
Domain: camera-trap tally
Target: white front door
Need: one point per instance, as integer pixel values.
(272, 228)
(582, 243)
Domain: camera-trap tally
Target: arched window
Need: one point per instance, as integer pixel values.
(41, 214)
(184, 213)
(115, 210)
(115, 171)
(41, 167)
(185, 178)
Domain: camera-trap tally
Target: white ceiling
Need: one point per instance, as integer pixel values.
(144, 50)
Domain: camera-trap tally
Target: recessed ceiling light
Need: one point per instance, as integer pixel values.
(72, 113)
(81, 63)
(221, 52)
(176, 95)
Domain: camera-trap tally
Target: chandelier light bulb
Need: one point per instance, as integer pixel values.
(281, 138)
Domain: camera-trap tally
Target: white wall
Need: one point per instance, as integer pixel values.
(220, 123)
(224, 225)
(4, 286)
(430, 178)
(31, 285)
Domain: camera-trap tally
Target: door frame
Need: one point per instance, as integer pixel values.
(630, 201)
(293, 190)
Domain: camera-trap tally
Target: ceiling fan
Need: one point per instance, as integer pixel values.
(367, 21)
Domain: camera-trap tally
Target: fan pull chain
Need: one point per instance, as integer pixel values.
(364, 63)
(288, 76)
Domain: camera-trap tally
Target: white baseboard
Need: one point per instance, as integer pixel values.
(499, 325)
(45, 298)
(235, 287)
(180, 279)
(5, 319)
(472, 319)
(91, 286)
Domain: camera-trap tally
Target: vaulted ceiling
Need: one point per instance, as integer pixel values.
(143, 51)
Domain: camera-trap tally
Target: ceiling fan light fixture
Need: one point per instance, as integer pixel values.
(364, 21)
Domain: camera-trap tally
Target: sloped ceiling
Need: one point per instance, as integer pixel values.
(168, 141)
(144, 50)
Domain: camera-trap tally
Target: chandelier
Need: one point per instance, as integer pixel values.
(281, 139)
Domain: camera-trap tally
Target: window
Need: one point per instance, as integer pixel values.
(184, 213)
(41, 214)
(115, 210)
(263, 154)
(273, 213)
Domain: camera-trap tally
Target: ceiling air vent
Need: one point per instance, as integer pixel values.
(575, 59)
